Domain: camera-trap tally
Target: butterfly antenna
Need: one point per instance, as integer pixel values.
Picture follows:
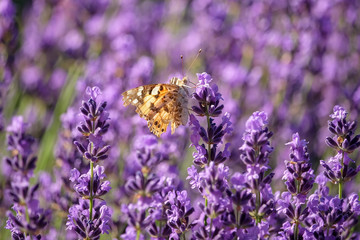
(182, 64)
(182, 70)
(192, 63)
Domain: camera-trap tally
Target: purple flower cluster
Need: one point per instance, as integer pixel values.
(82, 183)
(91, 217)
(331, 217)
(151, 198)
(178, 213)
(280, 67)
(53, 50)
(244, 206)
(156, 207)
(27, 218)
(20, 145)
(255, 153)
(78, 219)
(275, 50)
(221, 215)
(339, 169)
(299, 180)
(208, 99)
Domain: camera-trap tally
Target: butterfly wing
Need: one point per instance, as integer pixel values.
(158, 104)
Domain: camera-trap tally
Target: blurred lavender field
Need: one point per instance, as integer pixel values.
(293, 60)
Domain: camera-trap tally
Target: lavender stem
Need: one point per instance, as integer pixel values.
(341, 177)
(258, 220)
(138, 234)
(209, 126)
(91, 188)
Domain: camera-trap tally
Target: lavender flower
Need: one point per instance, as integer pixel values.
(255, 153)
(28, 219)
(144, 186)
(299, 179)
(299, 176)
(22, 162)
(178, 213)
(137, 216)
(238, 216)
(292, 59)
(339, 170)
(212, 183)
(82, 183)
(331, 216)
(144, 183)
(94, 127)
(158, 212)
(209, 99)
(91, 219)
(79, 215)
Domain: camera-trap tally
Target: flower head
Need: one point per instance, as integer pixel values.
(82, 182)
(257, 121)
(338, 169)
(78, 219)
(339, 113)
(178, 213)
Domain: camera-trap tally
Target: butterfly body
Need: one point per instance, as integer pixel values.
(160, 104)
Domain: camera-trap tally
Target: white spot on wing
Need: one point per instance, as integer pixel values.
(140, 91)
(155, 90)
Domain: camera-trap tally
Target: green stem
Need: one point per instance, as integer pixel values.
(209, 155)
(341, 177)
(257, 192)
(160, 229)
(298, 186)
(257, 206)
(138, 234)
(205, 219)
(340, 188)
(92, 174)
(209, 125)
(91, 188)
(237, 216)
(27, 218)
(27, 214)
(327, 231)
(211, 224)
(296, 231)
(26, 207)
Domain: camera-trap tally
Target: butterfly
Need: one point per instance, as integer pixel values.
(161, 104)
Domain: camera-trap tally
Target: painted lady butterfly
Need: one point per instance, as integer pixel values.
(161, 104)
